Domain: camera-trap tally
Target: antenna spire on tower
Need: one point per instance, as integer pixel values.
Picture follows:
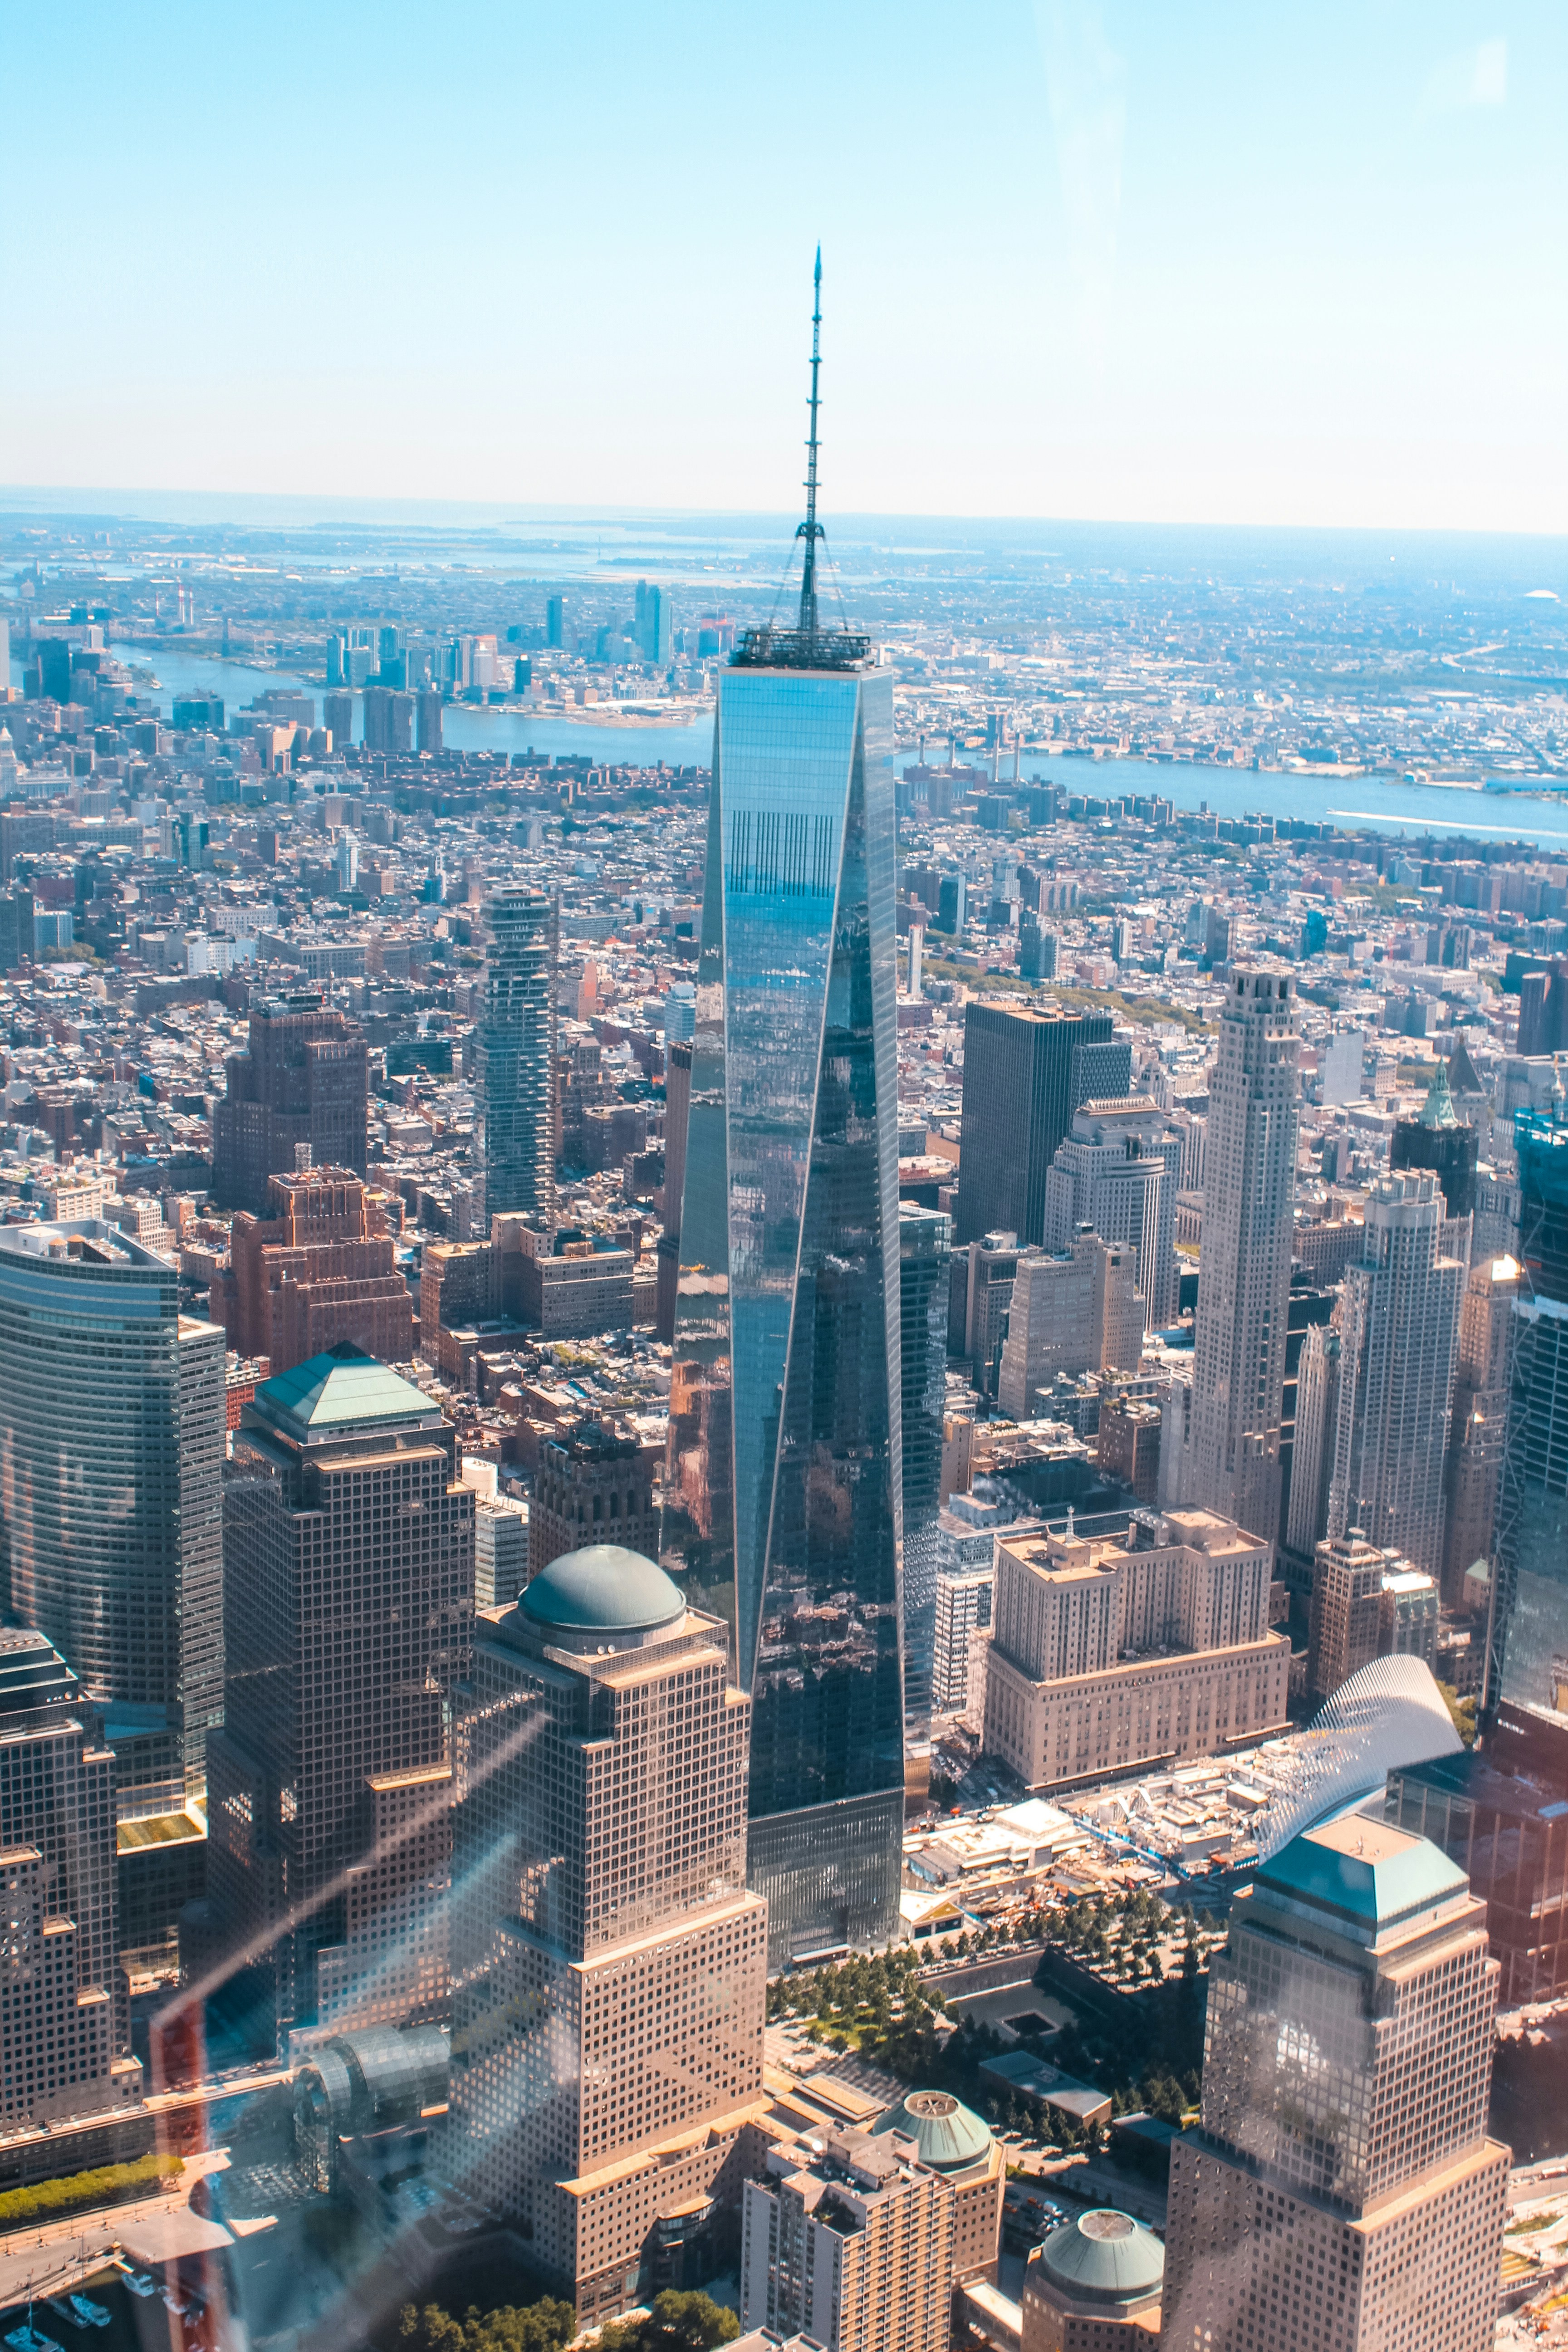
(810, 531)
(809, 645)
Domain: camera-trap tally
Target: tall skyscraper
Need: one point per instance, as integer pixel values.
(594, 1485)
(61, 2026)
(514, 1134)
(789, 1269)
(1437, 1140)
(303, 1080)
(18, 937)
(1399, 1333)
(677, 1109)
(980, 1301)
(609, 1965)
(338, 718)
(349, 1595)
(1224, 1455)
(653, 633)
(1478, 1429)
(1312, 1453)
(1530, 1616)
(1027, 1069)
(1119, 1170)
(925, 1245)
(111, 1448)
(1341, 2192)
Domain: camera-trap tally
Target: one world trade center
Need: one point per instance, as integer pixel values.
(783, 1475)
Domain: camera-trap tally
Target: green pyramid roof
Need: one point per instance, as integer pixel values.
(340, 1388)
(1365, 1871)
(1437, 1110)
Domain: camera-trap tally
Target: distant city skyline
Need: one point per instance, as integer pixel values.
(1079, 261)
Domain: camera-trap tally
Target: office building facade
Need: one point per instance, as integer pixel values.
(786, 1464)
(962, 1610)
(609, 1963)
(60, 2027)
(500, 1550)
(1529, 1617)
(1399, 1335)
(302, 1083)
(514, 1136)
(676, 1106)
(925, 1249)
(1073, 1310)
(594, 1485)
(1026, 1072)
(1113, 1652)
(321, 1266)
(111, 1449)
(980, 1301)
(349, 1595)
(1118, 1171)
(1478, 1425)
(1341, 2190)
(1224, 1454)
(1503, 1818)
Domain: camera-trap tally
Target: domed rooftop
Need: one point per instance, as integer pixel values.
(1104, 2256)
(949, 2134)
(603, 1589)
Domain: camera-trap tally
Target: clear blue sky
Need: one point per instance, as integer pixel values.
(1200, 261)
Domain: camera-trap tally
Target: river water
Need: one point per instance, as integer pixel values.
(1355, 804)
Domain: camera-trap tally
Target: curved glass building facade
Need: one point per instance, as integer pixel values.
(785, 1465)
(111, 1450)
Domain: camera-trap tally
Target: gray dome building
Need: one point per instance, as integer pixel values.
(1095, 2282)
(582, 1598)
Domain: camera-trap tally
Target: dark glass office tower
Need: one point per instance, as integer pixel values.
(1439, 1140)
(1026, 1068)
(785, 1425)
(925, 1260)
(1530, 1616)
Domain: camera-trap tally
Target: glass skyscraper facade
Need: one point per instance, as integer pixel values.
(925, 1264)
(513, 1035)
(111, 1451)
(785, 1465)
(1530, 1621)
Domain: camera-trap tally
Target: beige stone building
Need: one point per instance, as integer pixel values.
(1112, 1653)
(1072, 1311)
(609, 1966)
(951, 2140)
(847, 2238)
(1340, 2193)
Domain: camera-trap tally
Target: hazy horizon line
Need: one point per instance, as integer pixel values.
(119, 503)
